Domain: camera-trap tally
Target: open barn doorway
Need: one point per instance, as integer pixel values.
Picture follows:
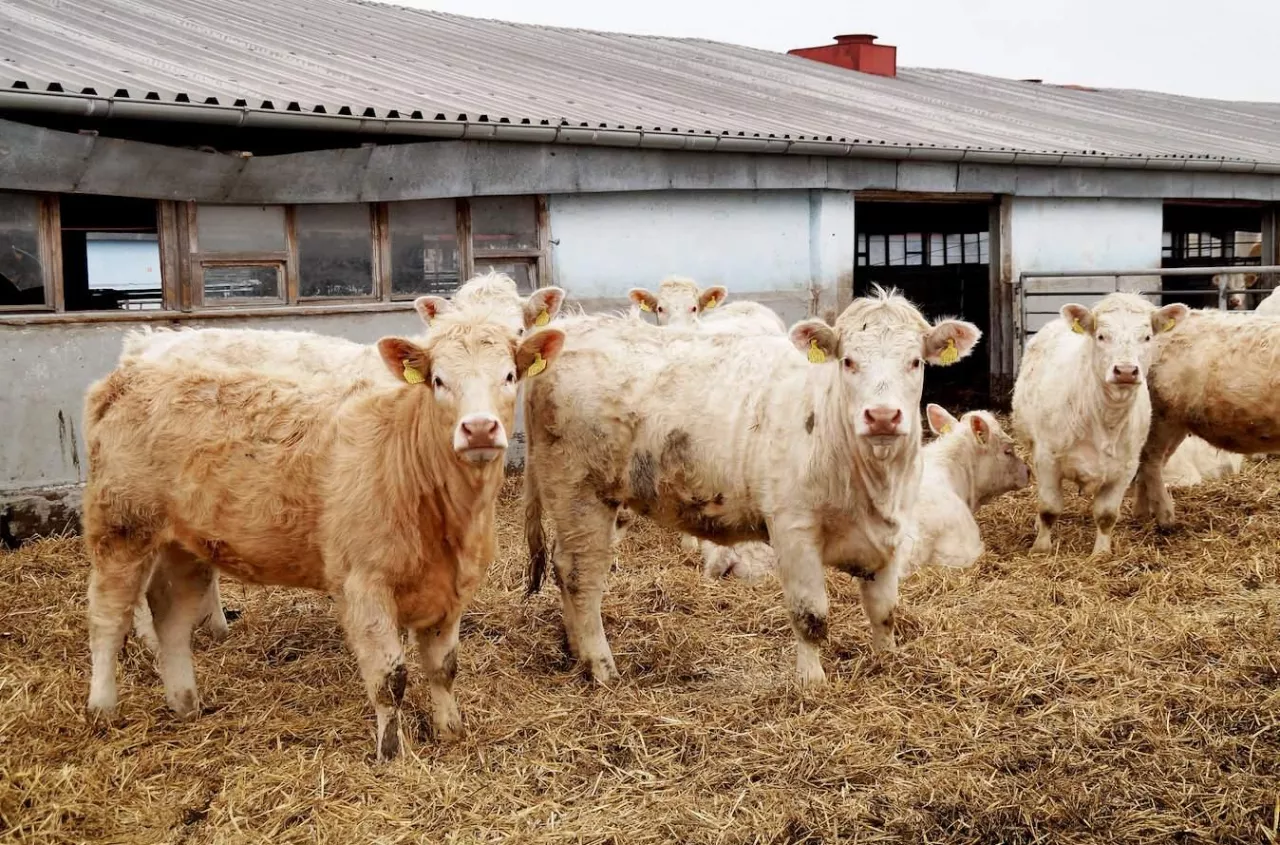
(938, 254)
(1211, 235)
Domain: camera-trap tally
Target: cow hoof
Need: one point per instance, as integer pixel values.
(101, 714)
(185, 703)
(603, 671)
(446, 724)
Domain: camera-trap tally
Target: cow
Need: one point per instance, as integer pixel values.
(815, 451)
(1080, 405)
(1269, 305)
(1195, 461)
(970, 462)
(679, 301)
(381, 495)
(1239, 283)
(1215, 376)
(297, 352)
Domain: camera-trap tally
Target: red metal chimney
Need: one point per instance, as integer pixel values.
(858, 52)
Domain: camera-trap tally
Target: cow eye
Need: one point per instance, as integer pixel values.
(849, 364)
(693, 309)
(437, 383)
(1102, 338)
(1146, 337)
(661, 310)
(915, 363)
(511, 377)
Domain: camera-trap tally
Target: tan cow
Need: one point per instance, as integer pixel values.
(817, 455)
(1080, 404)
(1216, 376)
(971, 462)
(303, 353)
(383, 496)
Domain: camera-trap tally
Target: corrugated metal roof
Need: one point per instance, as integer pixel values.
(342, 56)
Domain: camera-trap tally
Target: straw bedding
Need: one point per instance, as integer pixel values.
(1033, 700)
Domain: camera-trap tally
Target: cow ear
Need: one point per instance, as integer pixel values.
(538, 350)
(940, 421)
(949, 341)
(817, 340)
(711, 297)
(980, 429)
(1164, 319)
(542, 306)
(1079, 318)
(406, 360)
(644, 299)
(430, 307)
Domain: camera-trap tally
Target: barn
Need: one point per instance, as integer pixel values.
(318, 164)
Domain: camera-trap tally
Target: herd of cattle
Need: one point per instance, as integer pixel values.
(373, 472)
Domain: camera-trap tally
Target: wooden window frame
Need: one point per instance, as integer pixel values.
(182, 268)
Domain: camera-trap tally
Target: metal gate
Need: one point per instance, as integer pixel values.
(1039, 296)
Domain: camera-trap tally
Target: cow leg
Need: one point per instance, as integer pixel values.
(176, 596)
(212, 617)
(879, 602)
(121, 565)
(717, 561)
(805, 592)
(1106, 510)
(690, 545)
(438, 651)
(1151, 497)
(1049, 491)
(369, 618)
(584, 532)
(144, 626)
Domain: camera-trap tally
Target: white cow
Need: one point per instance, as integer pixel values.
(1216, 376)
(1080, 404)
(819, 455)
(1239, 283)
(1196, 461)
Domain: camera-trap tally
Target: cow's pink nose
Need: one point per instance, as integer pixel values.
(480, 431)
(1125, 373)
(882, 420)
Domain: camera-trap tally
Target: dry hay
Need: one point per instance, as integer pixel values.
(1033, 700)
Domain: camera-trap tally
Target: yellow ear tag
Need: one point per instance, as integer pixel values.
(946, 429)
(1168, 326)
(950, 354)
(816, 355)
(411, 375)
(644, 306)
(537, 366)
(1076, 327)
(711, 303)
(543, 318)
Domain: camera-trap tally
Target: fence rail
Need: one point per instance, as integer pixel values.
(1039, 295)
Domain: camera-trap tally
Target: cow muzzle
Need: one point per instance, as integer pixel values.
(1125, 374)
(479, 438)
(882, 421)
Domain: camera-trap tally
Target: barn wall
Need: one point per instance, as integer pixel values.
(770, 245)
(1085, 235)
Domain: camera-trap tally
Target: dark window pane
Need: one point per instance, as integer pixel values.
(424, 247)
(21, 274)
(240, 228)
(524, 273)
(504, 223)
(243, 282)
(335, 250)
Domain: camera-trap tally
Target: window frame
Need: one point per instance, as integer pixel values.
(182, 265)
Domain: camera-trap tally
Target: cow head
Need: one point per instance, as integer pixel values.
(880, 345)
(679, 302)
(469, 365)
(992, 461)
(1237, 283)
(1118, 331)
(498, 293)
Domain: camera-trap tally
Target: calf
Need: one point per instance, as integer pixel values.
(383, 496)
(815, 451)
(1195, 461)
(971, 462)
(679, 301)
(1080, 403)
(1216, 376)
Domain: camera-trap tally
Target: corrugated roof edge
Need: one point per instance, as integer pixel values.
(182, 109)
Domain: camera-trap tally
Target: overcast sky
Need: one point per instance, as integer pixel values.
(1226, 50)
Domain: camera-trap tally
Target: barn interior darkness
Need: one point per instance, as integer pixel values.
(1210, 235)
(938, 254)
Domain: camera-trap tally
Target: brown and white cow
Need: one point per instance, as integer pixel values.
(1080, 404)
(1216, 376)
(383, 496)
(819, 455)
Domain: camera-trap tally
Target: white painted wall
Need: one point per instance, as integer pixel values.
(1085, 235)
(770, 245)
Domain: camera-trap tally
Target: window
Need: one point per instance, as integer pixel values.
(241, 252)
(110, 254)
(335, 251)
(22, 276)
(424, 247)
(914, 250)
(503, 224)
(523, 271)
